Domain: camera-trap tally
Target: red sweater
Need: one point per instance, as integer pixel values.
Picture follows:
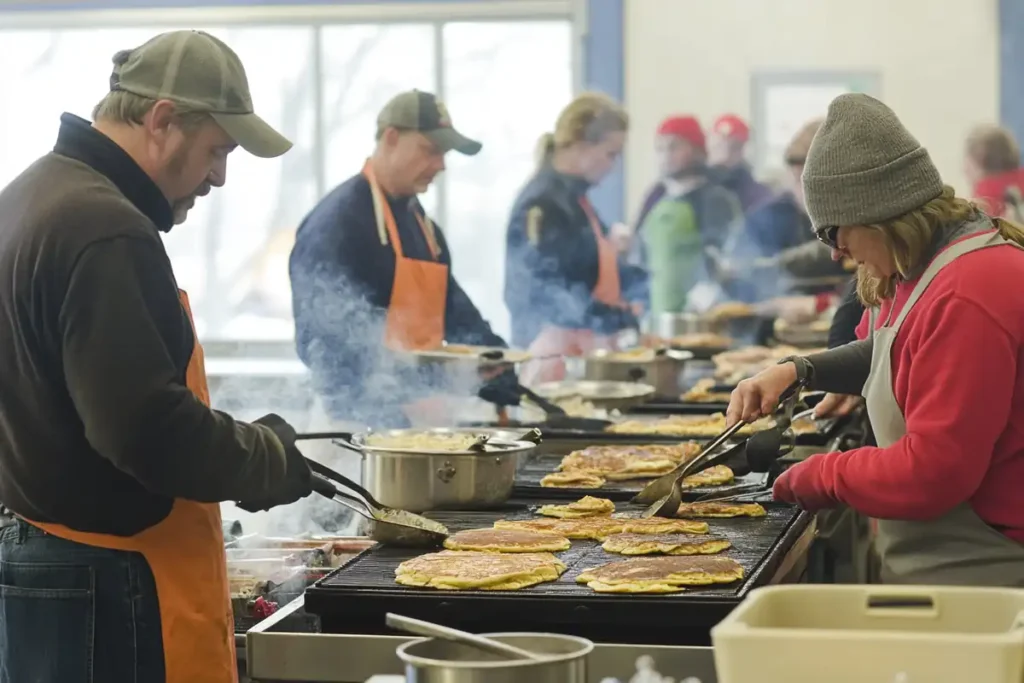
(962, 397)
(990, 192)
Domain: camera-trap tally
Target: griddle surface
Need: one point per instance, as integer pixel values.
(356, 596)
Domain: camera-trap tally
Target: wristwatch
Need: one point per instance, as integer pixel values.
(804, 369)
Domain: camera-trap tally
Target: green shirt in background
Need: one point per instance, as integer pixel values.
(675, 254)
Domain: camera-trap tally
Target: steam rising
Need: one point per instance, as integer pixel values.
(358, 385)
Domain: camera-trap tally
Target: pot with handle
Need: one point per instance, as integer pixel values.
(432, 660)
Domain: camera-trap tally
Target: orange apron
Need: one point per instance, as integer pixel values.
(185, 552)
(554, 340)
(419, 292)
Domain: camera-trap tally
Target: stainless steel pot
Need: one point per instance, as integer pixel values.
(661, 369)
(420, 481)
(430, 660)
(602, 395)
(670, 325)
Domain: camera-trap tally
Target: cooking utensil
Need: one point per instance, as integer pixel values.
(668, 504)
(390, 525)
(435, 660)
(607, 395)
(421, 480)
(661, 368)
(430, 630)
(557, 418)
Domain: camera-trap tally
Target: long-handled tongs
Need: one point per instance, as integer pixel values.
(389, 525)
(663, 495)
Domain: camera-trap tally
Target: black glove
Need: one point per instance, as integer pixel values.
(501, 390)
(297, 480)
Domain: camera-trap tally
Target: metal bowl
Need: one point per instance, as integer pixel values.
(431, 660)
(607, 395)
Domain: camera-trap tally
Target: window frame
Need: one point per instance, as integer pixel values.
(315, 17)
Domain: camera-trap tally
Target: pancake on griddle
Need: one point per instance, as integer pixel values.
(663, 525)
(585, 528)
(664, 544)
(467, 570)
(573, 480)
(722, 509)
(629, 462)
(507, 541)
(687, 426)
(667, 574)
(587, 506)
(712, 476)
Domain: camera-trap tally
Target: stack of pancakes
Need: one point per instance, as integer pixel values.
(592, 467)
(667, 574)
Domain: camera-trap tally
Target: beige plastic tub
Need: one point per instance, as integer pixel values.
(873, 634)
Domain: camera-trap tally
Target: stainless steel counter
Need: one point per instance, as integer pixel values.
(288, 648)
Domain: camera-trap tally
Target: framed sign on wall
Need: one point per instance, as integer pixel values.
(784, 100)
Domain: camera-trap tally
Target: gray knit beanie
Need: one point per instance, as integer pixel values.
(864, 167)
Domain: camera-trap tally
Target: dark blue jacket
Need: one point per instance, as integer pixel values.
(342, 276)
(742, 183)
(551, 263)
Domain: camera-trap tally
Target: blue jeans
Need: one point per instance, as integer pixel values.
(73, 613)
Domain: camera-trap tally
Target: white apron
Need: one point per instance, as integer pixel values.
(957, 548)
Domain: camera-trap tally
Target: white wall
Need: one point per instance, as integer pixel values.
(697, 57)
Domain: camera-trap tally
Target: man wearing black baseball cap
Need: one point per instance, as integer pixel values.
(371, 270)
(113, 568)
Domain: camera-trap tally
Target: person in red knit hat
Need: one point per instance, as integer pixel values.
(727, 146)
(942, 373)
(683, 218)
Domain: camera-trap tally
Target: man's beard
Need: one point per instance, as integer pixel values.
(181, 207)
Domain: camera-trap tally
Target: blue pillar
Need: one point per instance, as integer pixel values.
(1011, 66)
(604, 70)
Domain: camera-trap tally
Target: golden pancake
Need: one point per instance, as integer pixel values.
(629, 462)
(588, 506)
(687, 425)
(507, 541)
(712, 476)
(660, 574)
(805, 426)
(663, 525)
(702, 340)
(573, 480)
(723, 509)
(701, 393)
(457, 570)
(664, 544)
(586, 528)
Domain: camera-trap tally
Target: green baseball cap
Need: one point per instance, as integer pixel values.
(424, 113)
(202, 74)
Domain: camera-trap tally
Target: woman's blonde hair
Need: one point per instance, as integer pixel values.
(588, 118)
(910, 240)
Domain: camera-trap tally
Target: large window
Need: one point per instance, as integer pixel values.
(321, 82)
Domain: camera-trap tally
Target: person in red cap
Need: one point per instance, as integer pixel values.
(683, 216)
(726, 155)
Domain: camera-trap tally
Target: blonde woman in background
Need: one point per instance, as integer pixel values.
(564, 285)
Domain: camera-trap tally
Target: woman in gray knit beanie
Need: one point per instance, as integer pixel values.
(942, 374)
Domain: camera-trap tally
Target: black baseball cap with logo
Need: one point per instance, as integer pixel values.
(424, 113)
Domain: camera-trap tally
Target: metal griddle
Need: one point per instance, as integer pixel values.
(355, 597)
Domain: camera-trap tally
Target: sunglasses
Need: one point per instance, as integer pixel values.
(828, 235)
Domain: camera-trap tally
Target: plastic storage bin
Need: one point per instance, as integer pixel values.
(873, 634)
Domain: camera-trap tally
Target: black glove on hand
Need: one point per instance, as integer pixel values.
(297, 480)
(501, 390)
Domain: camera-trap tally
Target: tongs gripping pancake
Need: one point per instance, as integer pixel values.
(664, 494)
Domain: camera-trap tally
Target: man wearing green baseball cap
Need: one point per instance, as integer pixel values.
(114, 466)
(371, 273)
